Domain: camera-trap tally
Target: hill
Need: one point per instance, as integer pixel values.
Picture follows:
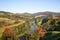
(46, 13)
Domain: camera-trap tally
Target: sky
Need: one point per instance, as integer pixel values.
(30, 6)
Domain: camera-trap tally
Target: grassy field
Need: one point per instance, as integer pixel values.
(14, 25)
(14, 21)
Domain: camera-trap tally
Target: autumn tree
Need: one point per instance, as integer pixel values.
(8, 35)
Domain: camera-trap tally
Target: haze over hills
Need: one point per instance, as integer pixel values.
(34, 14)
(47, 13)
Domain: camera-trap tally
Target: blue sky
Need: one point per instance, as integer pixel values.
(31, 6)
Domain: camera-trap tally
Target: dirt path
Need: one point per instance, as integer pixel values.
(2, 29)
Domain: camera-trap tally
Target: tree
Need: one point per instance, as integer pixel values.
(8, 35)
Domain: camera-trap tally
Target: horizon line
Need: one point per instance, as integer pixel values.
(30, 12)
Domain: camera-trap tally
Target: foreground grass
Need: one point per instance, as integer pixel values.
(11, 26)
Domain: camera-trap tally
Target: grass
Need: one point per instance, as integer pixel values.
(53, 35)
(3, 28)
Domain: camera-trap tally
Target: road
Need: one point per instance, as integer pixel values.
(2, 29)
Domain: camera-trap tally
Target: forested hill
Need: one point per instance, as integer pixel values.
(34, 14)
(47, 13)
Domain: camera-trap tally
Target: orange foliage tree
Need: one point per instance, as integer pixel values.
(41, 31)
(8, 33)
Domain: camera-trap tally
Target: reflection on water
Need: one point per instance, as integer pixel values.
(33, 26)
(22, 38)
